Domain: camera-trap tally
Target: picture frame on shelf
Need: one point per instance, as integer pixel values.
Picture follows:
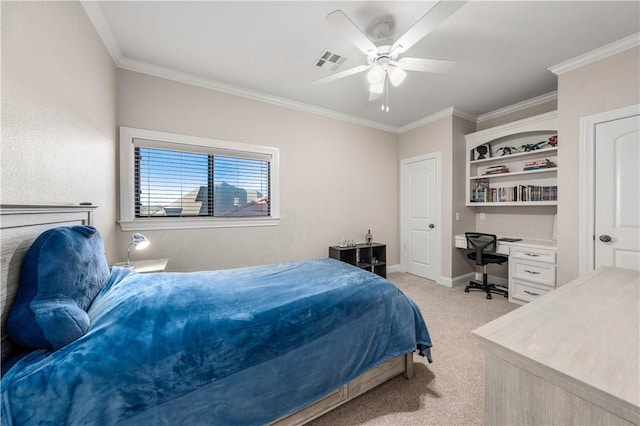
(481, 152)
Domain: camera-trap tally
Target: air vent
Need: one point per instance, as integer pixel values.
(330, 61)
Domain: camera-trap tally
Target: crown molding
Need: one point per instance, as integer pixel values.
(447, 112)
(465, 115)
(597, 54)
(193, 80)
(552, 96)
(102, 28)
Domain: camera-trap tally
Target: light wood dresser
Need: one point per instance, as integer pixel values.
(569, 357)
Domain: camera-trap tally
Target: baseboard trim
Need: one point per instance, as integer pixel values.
(445, 281)
(458, 281)
(394, 268)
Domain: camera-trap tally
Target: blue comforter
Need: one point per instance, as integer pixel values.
(233, 347)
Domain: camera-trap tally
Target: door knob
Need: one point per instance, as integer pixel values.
(431, 225)
(605, 238)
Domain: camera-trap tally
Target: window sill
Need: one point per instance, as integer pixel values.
(194, 223)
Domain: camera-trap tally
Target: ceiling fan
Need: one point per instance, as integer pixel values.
(384, 60)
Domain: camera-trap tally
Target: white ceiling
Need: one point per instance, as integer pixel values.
(267, 50)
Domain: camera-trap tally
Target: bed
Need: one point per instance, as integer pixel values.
(274, 344)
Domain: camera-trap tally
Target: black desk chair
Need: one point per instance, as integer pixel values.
(482, 249)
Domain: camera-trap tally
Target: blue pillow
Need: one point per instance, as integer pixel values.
(62, 272)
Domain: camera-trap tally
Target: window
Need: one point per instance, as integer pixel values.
(176, 181)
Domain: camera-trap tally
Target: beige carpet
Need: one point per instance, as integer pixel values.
(450, 391)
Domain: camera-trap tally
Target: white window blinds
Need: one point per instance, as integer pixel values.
(185, 181)
(174, 181)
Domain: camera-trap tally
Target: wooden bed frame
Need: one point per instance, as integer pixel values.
(21, 225)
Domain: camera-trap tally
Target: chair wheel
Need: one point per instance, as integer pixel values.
(488, 296)
(466, 290)
(506, 294)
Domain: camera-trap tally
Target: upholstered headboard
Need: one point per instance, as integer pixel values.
(20, 226)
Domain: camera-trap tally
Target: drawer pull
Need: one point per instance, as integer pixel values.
(532, 272)
(531, 254)
(531, 293)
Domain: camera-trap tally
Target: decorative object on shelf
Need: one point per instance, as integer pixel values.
(369, 237)
(348, 243)
(506, 150)
(532, 146)
(553, 141)
(481, 152)
(139, 241)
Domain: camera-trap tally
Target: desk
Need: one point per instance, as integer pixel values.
(569, 358)
(532, 266)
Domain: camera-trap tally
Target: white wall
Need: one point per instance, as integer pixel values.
(602, 86)
(336, 179)
(58, 111)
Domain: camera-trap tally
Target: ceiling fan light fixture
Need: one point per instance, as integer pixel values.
(396, 75)
(375, 75)
(377, 88)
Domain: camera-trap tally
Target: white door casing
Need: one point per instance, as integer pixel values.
(420, 209)
(617, 198)
(587, 190)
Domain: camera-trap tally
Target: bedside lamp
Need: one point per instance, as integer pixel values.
(138, 241)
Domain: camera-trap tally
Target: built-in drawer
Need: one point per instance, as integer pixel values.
(526, 292)
(536, 255)
(540, 273)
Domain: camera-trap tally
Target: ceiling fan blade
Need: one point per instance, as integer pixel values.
(434, 17)
(342, 74)
(422, 64)
(342, 23)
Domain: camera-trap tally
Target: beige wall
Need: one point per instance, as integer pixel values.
(336, 179)
(427, 139)
(467, 215)
(602, 86)
(58, 111)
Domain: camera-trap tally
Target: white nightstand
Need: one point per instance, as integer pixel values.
(149, 265)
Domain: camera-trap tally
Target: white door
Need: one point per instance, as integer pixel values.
(617, 198)
(419, 216)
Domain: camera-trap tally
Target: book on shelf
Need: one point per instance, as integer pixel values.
(494, 170)
(538, 164)
(526, 169)
(518, 193)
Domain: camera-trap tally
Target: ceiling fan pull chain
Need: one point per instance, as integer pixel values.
(386, 86)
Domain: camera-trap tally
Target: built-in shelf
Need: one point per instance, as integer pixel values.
(513, 203)
(526, 172)
(511, 157)
(531, 138)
